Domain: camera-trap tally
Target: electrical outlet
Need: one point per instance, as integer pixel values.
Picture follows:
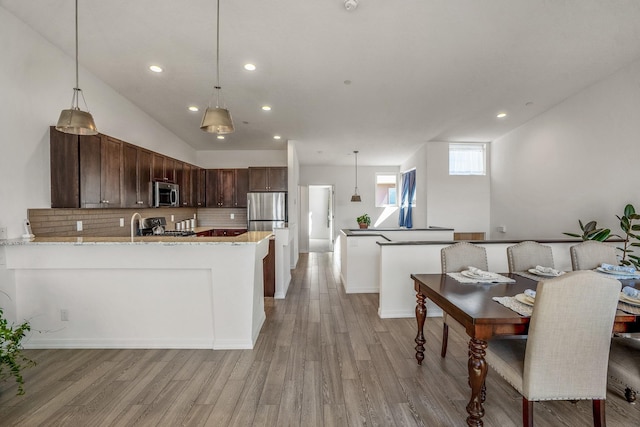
(233, 216)
(64, 315)
(79, 225)
(3, 233)
(121, 222)
(173, 219)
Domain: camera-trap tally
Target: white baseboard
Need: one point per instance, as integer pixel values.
(115, 343)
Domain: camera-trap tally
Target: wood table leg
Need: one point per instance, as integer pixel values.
(477, 375)
(421, 314)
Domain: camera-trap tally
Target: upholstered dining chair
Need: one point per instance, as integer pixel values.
(624, 365)
(526, 255)
(591, 254)
(566, 354)
(455, 258)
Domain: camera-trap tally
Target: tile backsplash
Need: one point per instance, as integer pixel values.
(106, 222)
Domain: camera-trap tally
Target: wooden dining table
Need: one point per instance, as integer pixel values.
(483, 318)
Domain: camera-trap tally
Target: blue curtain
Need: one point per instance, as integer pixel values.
(408, 192)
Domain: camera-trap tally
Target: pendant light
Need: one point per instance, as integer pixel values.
(356, 196)
(217, 120)
(74, 120)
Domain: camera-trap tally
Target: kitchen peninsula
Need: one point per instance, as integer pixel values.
(145, 292)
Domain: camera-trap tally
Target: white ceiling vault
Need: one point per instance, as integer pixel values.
(382, 79)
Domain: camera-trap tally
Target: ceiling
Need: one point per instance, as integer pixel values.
(382, 79)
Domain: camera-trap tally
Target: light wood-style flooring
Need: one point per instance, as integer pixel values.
(323, 358)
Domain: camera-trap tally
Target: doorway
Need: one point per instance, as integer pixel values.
(321, 234)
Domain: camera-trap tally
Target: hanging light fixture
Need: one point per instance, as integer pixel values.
(217, 120)
(74, 120)
(356, 196)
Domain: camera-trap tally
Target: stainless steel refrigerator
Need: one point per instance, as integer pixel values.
(266, 211)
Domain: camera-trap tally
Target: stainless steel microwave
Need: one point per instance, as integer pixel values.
(165, 194)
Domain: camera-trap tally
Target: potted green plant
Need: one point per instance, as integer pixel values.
(364, 221)
(12, 360)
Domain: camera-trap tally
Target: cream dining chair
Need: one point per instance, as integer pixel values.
(566, 354)
(455, 258)
(591, 254)
(526, 255)
(624, 365)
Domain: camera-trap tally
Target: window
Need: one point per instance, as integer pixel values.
(467, 159)
(386, 189)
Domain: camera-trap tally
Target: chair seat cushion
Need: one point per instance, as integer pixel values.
(506, 357)
(624, 361)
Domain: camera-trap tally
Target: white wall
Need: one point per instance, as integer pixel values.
(578, 160)
(459, 202)
(343, 180)
(241, 158)
(36, 83)
(319, 211)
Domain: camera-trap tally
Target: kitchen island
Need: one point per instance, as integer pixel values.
(145, 292)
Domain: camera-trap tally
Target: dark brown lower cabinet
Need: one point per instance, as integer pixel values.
(269, 270)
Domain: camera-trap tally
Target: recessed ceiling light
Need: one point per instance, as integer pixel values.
(155, 68)
(194, 108)
(266, 108)
(220, 136)
(249, 67)
(501, 115)
(276, 137)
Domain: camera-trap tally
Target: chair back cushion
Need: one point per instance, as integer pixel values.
(526, 255)
(569, 337)
(591, 254)
(461, 255)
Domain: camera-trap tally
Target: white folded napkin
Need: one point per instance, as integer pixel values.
(631, 292)
(618, 268)
(530, 293)
(481, 273)
(548, 270)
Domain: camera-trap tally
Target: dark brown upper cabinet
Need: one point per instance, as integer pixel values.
(136, 180)
(226, 188)
(269, 179)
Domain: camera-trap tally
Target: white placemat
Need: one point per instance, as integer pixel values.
(497, 279)
(526, 310)
(515, 305)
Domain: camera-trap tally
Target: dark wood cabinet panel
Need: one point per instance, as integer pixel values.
(268, 179)
(111, 171)
(269, 270)
(145, 190)
(164, 168)
(183, 179)
(278, 180)
(129, 176)
(226, 188)
(242, 187)
(212, 188)
(158, 167)
(227, 232)
(198, 180)
(90, 171)
(65, 170)
(136, 176)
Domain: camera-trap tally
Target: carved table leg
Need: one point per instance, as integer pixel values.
(421, 313)
(477, 375)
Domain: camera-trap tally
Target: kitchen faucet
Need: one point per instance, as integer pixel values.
(132, 223)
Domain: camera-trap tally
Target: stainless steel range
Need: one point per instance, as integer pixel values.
(156, 226)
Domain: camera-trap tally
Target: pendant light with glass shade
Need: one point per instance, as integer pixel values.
(356, 196)
(74, 120)
(217, 120)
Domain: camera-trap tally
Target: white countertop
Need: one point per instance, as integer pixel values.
(251, 237)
